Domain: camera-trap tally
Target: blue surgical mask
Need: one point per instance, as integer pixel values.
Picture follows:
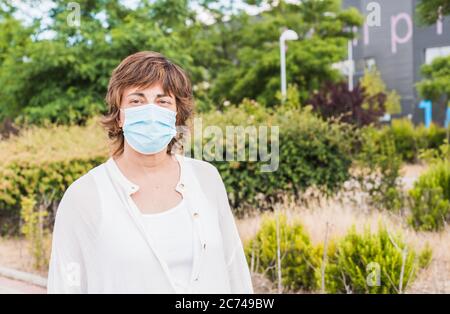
(148, 129)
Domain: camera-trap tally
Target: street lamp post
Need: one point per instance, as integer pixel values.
(286, 35)
(350, 59)
(350, 65)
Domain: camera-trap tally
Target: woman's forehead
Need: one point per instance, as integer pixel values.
(149, 91)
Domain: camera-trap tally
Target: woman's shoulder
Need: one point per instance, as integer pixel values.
(81, 197)
(79, 211)
(85, 184)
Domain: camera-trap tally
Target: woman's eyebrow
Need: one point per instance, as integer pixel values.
(136, 94)
(163, 95)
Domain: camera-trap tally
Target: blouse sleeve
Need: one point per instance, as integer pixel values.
(238, 269)
(73, 234)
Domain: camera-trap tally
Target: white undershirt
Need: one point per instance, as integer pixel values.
(173, 235)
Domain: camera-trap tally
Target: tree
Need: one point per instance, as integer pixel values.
(429, 11)
(250, 50)
(373, 85)
(63, 79)
(436, 80)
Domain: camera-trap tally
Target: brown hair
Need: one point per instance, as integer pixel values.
(143, 69)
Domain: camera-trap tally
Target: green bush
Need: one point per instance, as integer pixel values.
(312, 152)
(373, 263)
(47, 181)
(410, 140)
(298, 256)
(430, 198)
(367, 262)
(379, 170)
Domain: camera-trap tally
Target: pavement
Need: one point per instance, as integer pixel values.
(10, 286)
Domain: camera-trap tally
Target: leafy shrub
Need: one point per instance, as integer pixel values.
(367, 262)
(373, 263)
(410, 139)
(373, 85)
(430, 198)
(379, 170)
(312, 152)
(354, 107)
(33, 228)
(298, 257)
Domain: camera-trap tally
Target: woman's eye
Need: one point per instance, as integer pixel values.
(164, 102)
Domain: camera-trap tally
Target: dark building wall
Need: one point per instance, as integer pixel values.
(400, 69)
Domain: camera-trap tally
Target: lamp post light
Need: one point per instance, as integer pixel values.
(285, 36)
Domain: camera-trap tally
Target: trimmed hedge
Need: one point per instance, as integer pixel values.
(47, 181)
(44, 162)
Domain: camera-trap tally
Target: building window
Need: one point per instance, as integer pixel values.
(436, 52)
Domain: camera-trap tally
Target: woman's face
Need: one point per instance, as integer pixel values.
(135, 96)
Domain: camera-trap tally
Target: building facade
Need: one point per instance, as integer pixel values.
(393, 41)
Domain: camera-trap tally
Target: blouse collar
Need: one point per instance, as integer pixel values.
(131, 187)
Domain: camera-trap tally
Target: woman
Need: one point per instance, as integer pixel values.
(147, 220)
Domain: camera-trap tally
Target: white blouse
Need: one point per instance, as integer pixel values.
(173, 233)
(101, 243)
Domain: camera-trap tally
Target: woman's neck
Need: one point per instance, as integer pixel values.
(136, 162)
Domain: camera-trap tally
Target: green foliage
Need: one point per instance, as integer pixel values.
(239, 54)
(410, 140)
(430, 198)
(367, 262)
(40, 165)
(373, 263)
(51, 71)
(428, 10)
(379, 170)
(436, 81)
(434, 156)
(33, 228)
(373, 86)
(312, 152)
(62, 78)
(298, 257)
